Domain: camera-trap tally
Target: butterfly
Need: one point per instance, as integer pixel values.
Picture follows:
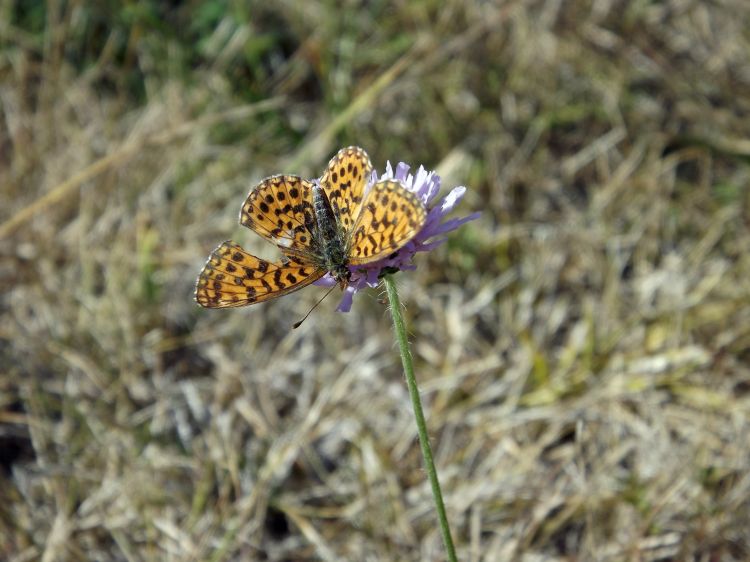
(330, 225)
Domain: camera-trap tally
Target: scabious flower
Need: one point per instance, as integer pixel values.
(426, 186)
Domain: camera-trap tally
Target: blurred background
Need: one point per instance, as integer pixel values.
(583, 348)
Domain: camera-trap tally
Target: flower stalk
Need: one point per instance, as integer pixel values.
(424, 441)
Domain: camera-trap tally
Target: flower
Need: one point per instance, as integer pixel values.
(426, 186)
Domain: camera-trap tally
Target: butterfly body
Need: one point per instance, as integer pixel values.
(320, 226)
(332, 239)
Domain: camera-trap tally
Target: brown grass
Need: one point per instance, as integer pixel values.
(582, 348)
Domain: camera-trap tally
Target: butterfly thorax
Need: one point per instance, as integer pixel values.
(332, 241)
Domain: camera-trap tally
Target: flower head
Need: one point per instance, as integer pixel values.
(426, 186)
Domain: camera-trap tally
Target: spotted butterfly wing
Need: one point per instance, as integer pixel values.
(280, 210)
(232, 277)
(390, 217)
(344, 182)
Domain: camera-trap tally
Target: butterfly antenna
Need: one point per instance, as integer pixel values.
(298, 324)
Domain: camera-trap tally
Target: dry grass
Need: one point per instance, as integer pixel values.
(582, 348)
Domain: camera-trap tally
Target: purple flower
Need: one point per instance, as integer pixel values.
(426, 185)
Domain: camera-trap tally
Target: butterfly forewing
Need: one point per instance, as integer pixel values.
(344, 182)
(280, 210)
(232, 277)
(390, 216)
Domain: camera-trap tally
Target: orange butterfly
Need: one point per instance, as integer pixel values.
(325, 226)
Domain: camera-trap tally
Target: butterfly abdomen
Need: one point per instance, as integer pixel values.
(331, 240)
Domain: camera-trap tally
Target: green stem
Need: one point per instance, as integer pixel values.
(411, 381)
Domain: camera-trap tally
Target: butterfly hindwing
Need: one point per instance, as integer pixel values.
(390, 216)
(344, 182)
(232, 277)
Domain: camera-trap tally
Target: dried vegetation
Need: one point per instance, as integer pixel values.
(582, 348)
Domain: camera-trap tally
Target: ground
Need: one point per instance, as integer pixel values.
(582, 347)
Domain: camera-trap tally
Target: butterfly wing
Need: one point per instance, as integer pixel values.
(280, 210)
(391, 215)
(344, 183)
(232, 277)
